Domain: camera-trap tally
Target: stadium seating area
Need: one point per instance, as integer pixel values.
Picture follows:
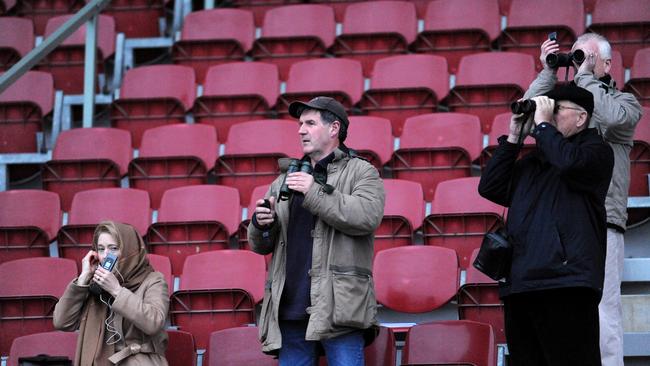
(186, 138)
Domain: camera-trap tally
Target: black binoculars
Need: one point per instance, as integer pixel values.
(525, 106)
(294, 166)
(555, 60)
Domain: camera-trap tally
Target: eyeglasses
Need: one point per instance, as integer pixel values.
(559, 107)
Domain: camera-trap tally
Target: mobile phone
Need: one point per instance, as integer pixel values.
(552, 36)
(108, 264)
(266, 204)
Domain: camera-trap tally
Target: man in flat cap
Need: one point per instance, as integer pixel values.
(319, 293)
(557, 227)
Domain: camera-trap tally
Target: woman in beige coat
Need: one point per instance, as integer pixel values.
(124, 324)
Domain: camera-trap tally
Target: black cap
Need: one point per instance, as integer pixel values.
(575, 94)
(322, 104)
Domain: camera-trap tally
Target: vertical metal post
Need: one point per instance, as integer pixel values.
(90, 72)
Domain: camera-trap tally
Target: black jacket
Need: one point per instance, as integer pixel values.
(561, 240)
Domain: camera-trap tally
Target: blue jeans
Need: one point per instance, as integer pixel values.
(344, 350)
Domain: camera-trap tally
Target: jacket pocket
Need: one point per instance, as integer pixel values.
(354, 299)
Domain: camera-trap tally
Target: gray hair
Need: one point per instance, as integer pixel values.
(604, 48)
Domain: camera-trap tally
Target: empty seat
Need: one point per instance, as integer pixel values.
(89, 208)
(415, 278)
(530, 22)
(382, 351)
(460, 224)
(86, 158)
(371, 138)
(163, 265)
(340, 79)
(252, 151)
(403, 214)
(238, 346)
(192, 220)
(218, 290)
(372, 30)
(46, 343)
(17, 40)
(404, 86)
(294, 33)
(173, 156)
(639, 83)
(67, 61)
(181, 350)
(260, 7)
(450, 342)
(436, 147)
(137, 18)
(29, 220)
(213, 36)
(41, 11)
(640, 167)
(153, 96)
(29, 289)
(478, 300)
(625, 25)
(501, 126)
(237, 92)
(487, 83)
(455, 28)
(24, 112)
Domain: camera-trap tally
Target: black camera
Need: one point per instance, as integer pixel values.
(294, 166)
(525, 106)
(555, 60)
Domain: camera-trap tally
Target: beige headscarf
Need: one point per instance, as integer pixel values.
(131, 269)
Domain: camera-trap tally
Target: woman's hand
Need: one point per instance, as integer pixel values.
(89, 264)
(107, 281)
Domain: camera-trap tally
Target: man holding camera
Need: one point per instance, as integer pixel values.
(319, 292)
(615, 116)
(557, 228)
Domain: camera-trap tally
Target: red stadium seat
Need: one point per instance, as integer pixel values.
(24, 112)
(640, 167)
(192, 220)
(294, 33)
(29, 220)
(66, 62)
(47, 343)
(153, 96)
(218, 290)
(214, 36)
(450, 342)
(16, 41)
(91, 207)
(163, 265)
(181, 350)
(625, 24)
(40, 11)
(530, 22)
(29, 289)
(371, 138)
(260, 7)
(382, 351)
(252, 151)
(460, 224)
(340, 79)
(415, 278)
(639, 83)
(455, 28)
(436, 147)
(375, 29)
(173, 156)
(404, 86)
(238, 346)
(137, 18)
(478, 300)
(86, 158)
(403, 214)
(501, 126)
(487, 83)
(237, 92)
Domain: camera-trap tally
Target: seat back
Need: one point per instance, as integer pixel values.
(181, 350)
(452, 341)
(415, 278)
(460, 224)
(192, 220)
(639, 83)
(450, 30)
(403, 214)
(29, 220)
(371, 137)
(105, 33)
(162, 264)
(640, 156)
(173, 156)
(237, 92)
(137, 18)
(238, 346)
(47, 343)
(17, 40)
(436, 147)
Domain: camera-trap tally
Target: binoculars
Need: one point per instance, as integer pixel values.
(555, 60)
(525, 106)
(294, 166)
